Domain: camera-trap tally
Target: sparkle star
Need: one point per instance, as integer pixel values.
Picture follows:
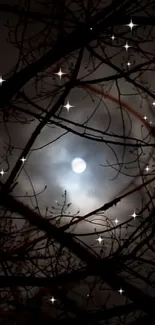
(52, 300)
(100, 239)
(128, 64)
(116, 221)
(68, 106)
(134, 215)
(126, 46)
(120, 291)
(60, 73)
(150, 122)
(147, 168)
(131, 25)
(145, 117)
(23, 160)
(1, 80)
(2, 172)
(153, 103)
(113, 37)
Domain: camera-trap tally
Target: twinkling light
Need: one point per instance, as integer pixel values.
(99, 239)
(1, 80)
(120, 291)
(52, 300)
(145, 117)
(153, 103)
(150, 122)
(113, 37)
(128, 64)
(60, 73)
(23, 160)
(147, 168)
(116, 221)
(134, 215)
(131, 25)
(68, 106)
(126, 46)
(2, 172)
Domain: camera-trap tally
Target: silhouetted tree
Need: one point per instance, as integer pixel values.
(51, 271)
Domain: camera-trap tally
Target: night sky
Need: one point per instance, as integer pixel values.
(114, 164)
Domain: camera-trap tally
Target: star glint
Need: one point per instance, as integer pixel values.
(120, 291)
(2, 172)
(68, 106)
(100, 239)
(60, 73)
(131, 25)
(126, 46)
(1, 80)
(23, 160)
(134, 215)
(52, 300)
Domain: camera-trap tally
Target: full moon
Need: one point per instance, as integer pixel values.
(78, 165)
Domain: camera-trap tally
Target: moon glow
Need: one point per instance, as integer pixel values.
(78, 165)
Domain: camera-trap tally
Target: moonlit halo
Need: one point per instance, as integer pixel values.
(78, 165)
